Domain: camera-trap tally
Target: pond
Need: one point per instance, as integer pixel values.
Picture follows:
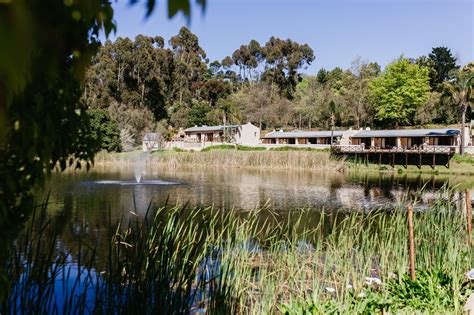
(84, 208)
(92, 194)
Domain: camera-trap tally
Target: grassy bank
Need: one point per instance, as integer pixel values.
(459, 165)
(209, 261)
(277, 158)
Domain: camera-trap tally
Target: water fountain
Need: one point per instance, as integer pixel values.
(139, 167)
(139, 172)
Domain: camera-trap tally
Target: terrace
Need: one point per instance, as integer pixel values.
(402, 147)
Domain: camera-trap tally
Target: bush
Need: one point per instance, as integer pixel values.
(464, 159)
(104, 130)
(431, 292)
(219, 147)
(248, 148)
(288, 148)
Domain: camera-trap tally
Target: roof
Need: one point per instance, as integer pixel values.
(208, 128)
(302, 134)
(152, 136)
(407, 133)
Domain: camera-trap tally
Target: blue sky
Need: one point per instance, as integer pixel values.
(337, 30)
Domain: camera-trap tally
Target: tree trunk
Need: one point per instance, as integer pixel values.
(118, 80)
(224, 122)
(463, 124)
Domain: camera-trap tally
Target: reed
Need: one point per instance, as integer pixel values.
(180, 260)
(297, 160)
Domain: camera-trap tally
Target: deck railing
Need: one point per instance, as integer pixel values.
(420, 149)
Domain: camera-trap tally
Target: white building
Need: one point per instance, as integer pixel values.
(152, 142)
(238, 134)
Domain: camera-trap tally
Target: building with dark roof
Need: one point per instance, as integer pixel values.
(302, 137)
(406, 138)
(238, 134)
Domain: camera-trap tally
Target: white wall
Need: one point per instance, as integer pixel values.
(149, 145)
(346, 135)
(248, 134)
(469, 150)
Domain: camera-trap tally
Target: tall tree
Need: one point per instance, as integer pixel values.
(398, 91)
(190, 60)
(357, 97)
(430, 64)
(283, 60)
(247, 58)
(444, 63)
(128, 77)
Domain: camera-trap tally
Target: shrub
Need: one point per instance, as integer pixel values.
(219, 147)
(288, 148)
(248, 148)
(464, 159)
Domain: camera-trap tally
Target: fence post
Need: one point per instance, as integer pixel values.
(411, 243)
(468, 217)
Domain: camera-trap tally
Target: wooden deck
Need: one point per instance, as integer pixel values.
(426, 155)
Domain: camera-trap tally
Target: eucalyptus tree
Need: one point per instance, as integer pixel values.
(283, 60)
(128, 77)
(248, 58)
(190, 64)
(228, 72)
(245, 62)
(215, 69)
(215, 89)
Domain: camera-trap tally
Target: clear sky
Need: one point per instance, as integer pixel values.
(337, 30)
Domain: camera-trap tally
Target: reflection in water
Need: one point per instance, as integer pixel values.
(86, 205)
(93, 194)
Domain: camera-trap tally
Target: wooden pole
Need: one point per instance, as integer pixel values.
(469, 217)
(411, 242)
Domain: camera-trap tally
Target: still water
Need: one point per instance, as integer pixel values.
(86, 205)
(91, 195)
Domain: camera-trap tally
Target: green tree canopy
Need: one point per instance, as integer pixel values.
(45, 49)
(398, 91)
(444, 63)
(103, 130)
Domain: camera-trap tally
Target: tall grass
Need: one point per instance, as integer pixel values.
(180, 260)
(302, 160)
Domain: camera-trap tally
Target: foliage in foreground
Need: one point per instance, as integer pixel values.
(186, 260)
(47, 46)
